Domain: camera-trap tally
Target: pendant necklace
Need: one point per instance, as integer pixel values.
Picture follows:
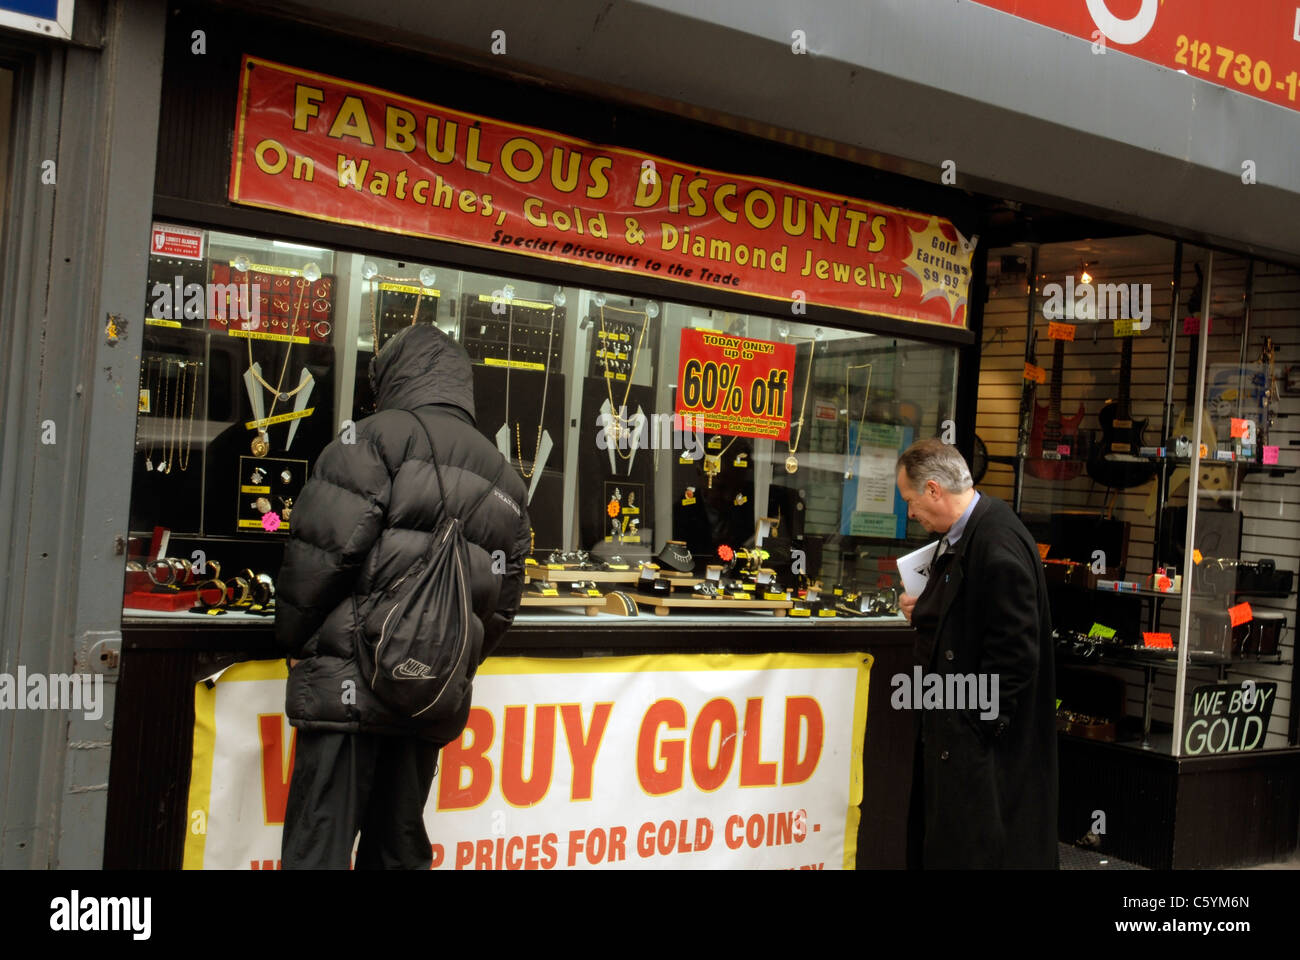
(620, 423)
(713, 462)
(866, 397)
(792, 462)
(261, 444)
(546, 383)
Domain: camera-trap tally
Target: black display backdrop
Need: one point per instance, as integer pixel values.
(546, 505)
(632, 470)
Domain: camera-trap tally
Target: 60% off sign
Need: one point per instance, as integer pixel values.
(735, 385)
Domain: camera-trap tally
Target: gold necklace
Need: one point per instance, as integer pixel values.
(713, 462)
(792, 462)
(620, 423)
(165, 463)
(261, 444)
(184, 460)
(866, 397)
(546, 383)
(174, 431)
(150, 363)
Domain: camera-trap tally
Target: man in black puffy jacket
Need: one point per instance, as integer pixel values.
(362, 520)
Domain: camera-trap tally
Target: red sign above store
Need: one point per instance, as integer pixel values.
(735, 385)
(335, 150)
(1254, 49)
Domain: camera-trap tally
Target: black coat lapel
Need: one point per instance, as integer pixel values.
(955, 573)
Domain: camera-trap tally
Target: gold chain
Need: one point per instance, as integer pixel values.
(866, 398)
(162, 388)
(546, 383)
(803, 404)
(189, 439)
(293, 332)
(153, 399)
(175, 424)
(622, 423)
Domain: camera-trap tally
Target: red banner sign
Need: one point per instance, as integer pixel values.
(1249, 48)
(339, 151)
(735, 385)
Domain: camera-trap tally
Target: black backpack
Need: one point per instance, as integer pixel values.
(420, 641)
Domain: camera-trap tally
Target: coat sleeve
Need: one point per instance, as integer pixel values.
(336, 520)
(512, 586)
(1008, 582)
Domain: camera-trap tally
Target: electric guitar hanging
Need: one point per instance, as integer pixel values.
(1054, 439)
(1116, 460)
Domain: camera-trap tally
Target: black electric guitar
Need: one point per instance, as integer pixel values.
(1116, 459)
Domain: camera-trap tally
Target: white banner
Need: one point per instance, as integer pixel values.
(655, 762)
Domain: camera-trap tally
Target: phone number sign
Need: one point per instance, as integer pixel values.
(1255, 52)
(735, 385)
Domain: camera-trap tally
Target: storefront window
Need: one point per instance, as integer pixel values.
(694, 462)
(1089, 403)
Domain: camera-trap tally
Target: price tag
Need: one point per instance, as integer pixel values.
(593, 592)
(555, 566)
(687, 501)
(1238, 428)
(1060, 331)
(1240, 614)
(1164, 641)
(826, 613)
(814, 596)
(1125, 328)
(1035, 374)
(764, 577)
(800, 612)
(550, 592)
(1102, 631)
(775, 596)
(1270, 455)
(713, 573)
(740, 595)
(647, 573)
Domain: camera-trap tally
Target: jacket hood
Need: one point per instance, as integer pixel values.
(422, 365)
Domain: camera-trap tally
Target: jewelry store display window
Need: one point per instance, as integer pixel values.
(680, 462)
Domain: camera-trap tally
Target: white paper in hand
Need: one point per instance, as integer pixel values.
(914, 569)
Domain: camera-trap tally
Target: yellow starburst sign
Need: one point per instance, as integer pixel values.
(941, 265)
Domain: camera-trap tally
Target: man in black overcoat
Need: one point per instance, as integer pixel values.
(984, 785)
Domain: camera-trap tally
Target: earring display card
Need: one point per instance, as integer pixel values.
(255, 299)
(175, 295)
(617, 345)
(268, 488)
(625, 513)
(401, 305)
(495, 331)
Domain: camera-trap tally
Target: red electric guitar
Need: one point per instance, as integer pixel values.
(1053, 439)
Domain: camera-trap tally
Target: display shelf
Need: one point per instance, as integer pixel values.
(546, 575)
(592, 605)
(662, 606)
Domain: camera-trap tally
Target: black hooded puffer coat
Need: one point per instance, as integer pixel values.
(368, 513)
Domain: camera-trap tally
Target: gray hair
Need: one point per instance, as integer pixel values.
(935, 460)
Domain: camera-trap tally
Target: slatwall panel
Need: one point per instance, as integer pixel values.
(1271, 505)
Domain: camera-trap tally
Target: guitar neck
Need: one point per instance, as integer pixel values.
(1125, 378)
